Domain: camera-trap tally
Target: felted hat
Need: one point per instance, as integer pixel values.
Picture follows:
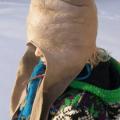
(65, 31)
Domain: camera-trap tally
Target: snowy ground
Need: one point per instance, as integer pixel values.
(13, 36)
(12, 43)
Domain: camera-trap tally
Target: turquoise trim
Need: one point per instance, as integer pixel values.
(26, 108)
(106, 95)
(85, 73)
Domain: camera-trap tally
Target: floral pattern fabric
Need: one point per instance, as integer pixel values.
(81, 105)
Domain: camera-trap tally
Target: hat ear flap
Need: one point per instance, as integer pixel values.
(25, 67)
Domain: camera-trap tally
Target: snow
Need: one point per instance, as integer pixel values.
(12, 44)
(13, 36)
(109, 26)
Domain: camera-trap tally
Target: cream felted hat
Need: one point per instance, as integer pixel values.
(65, 31)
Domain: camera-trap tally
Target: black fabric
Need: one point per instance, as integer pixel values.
(105, 75)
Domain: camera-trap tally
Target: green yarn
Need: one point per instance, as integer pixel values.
(93, 111)
(75, 100)
(106, 95)
(71, 102)
(67, 102)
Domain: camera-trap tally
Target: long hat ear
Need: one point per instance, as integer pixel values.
(25, 67)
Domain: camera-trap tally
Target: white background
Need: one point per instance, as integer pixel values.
(13, 36)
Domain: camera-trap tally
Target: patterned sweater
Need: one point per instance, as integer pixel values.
(93, 95)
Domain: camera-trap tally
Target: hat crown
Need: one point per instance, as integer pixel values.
(55, 23)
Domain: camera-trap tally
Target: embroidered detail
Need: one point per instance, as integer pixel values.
(71, 101)
(71, 113)
(88, 107)
(113, 111)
